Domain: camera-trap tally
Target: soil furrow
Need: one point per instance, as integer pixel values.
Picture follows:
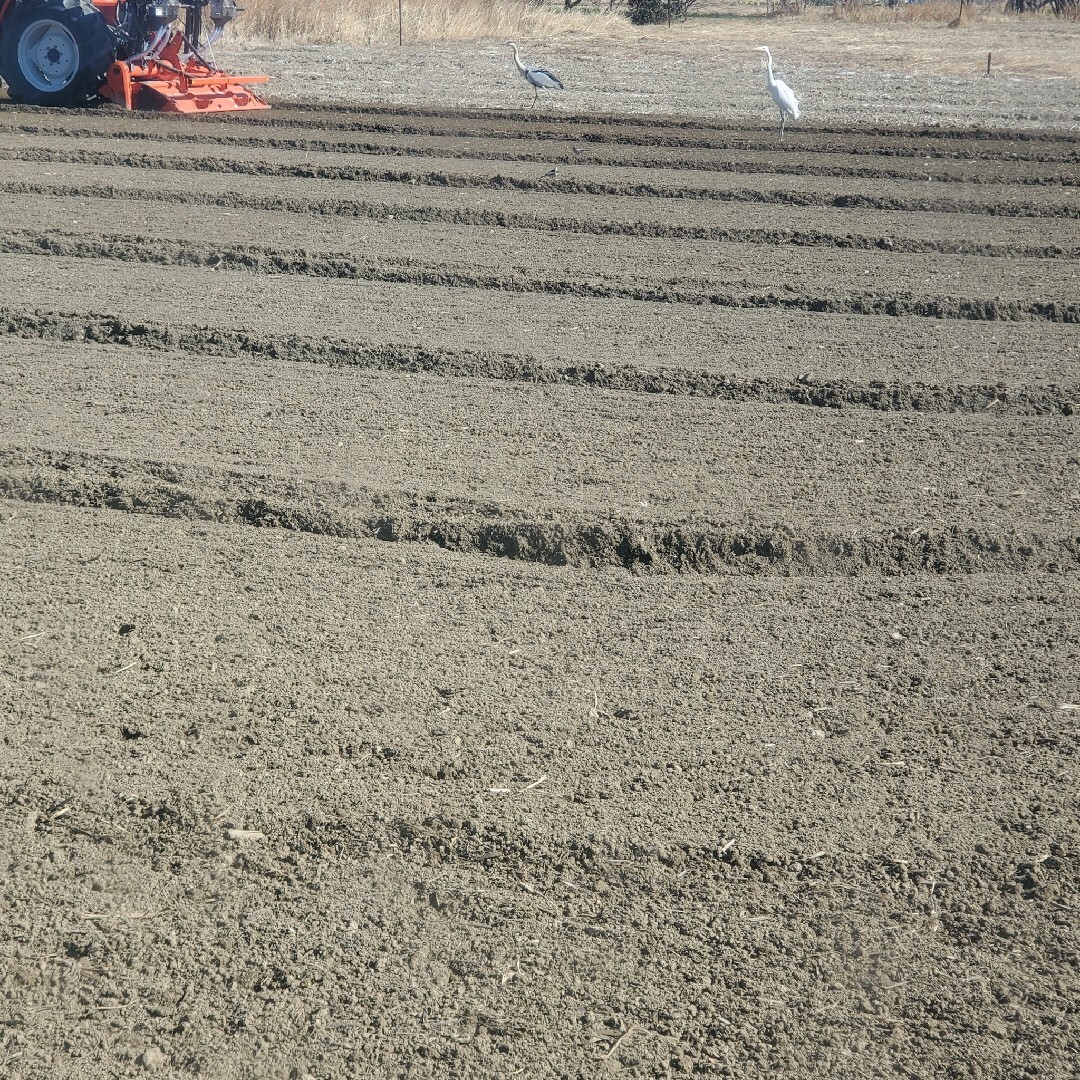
(742, 345)
(553, 452)
(657, 130)
(168, 490)
(441, 581)
(450, 215)
(264, 260)
(970, 143)
(736, 777)
(566, 185)
(1013, 171)
(508, 367)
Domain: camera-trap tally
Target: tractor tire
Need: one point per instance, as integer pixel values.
(55, 52)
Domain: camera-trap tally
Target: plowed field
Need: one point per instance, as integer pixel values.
(457, 620)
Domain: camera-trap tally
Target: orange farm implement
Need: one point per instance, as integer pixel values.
(138, 54)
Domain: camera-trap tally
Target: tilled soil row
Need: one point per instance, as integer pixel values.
(833, 394)
(567, 185)
(175, 491)
(388, 884)
(743, 345)
(508, 219)
(1015, 169)
(266, 260)
(364, 722)
(970, 143)
(367, 877)
(594, 130)
(460, 866)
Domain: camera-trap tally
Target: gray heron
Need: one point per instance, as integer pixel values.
(538, 78)
(782, 94)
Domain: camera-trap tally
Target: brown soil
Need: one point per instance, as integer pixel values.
(456, 622)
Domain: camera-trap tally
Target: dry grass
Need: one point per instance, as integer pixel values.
(876, 37)
(373, 22)
(934, 12)
(909, 38)
(946, 12)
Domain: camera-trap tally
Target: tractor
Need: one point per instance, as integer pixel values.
(140, 54)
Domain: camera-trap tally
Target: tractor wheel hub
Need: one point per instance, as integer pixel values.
(48, 55)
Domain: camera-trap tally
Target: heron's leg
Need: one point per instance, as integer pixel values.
(536, 95)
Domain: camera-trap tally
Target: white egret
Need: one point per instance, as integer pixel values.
(782, 94)
(538, 78)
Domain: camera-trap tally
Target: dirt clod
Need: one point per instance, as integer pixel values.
(152, 1059)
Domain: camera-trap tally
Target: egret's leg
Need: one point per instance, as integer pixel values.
(781, 125)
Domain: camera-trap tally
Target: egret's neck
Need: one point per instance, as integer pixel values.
(769, 80)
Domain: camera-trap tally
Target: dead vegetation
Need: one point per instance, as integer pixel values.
(938, 13)
(370, 22)
(907, 37)
(929, 12)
